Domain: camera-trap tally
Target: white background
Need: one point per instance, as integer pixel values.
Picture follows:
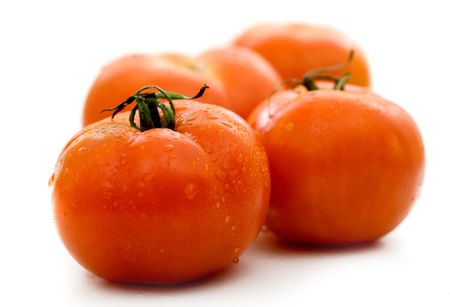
(50, 52)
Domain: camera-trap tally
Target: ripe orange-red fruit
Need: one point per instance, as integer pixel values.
(162, 206)
(346, 166)
(238, 79)
(296, 48)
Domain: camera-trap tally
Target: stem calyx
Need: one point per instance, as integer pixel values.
(149, 106)
(309, 78)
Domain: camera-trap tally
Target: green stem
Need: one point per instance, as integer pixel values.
(322, 73)
(149, 106)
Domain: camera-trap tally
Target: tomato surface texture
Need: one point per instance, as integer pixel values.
(346, 166)
(162, 206)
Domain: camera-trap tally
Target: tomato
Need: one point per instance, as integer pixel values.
(296, 48)
(161, 205)
(346, 166)
(238, 79)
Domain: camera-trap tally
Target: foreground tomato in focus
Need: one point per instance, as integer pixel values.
(296, 48)
(346, 164)
(238, 79)
(138, 203)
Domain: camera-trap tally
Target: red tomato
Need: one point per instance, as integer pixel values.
(161, 205)
(295, 48)
(237, 77)
(346, 166)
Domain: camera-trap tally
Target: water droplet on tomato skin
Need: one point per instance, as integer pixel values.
(190, 191)
(225, 123)
(227, 219)
(289, 126)
(209, 149)
(212, 117)
(264, 229)
(235, 260)
(168, 147)
(181, 108)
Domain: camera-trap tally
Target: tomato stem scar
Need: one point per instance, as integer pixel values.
(149, 106)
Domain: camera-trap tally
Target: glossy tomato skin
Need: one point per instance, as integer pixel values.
(346, 167)
(162, 206)
(224, 70)
(296, 48)
(246, 76)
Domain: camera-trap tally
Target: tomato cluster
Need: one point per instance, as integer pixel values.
(171, 188)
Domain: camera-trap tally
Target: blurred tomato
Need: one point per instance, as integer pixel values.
(296, 48)
(238, 79)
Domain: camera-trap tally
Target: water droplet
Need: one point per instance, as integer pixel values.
(190, 191)
(191, 122)
(227, 124)
(264, 229)
(289, 126)
(51, 181)
(233, 228)
(220, 132)
(235, 260)
(168, 147)
(217, 204)
(206, 167)
(208, 148)
(236, 250)
(227, 219)
(212, 117)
